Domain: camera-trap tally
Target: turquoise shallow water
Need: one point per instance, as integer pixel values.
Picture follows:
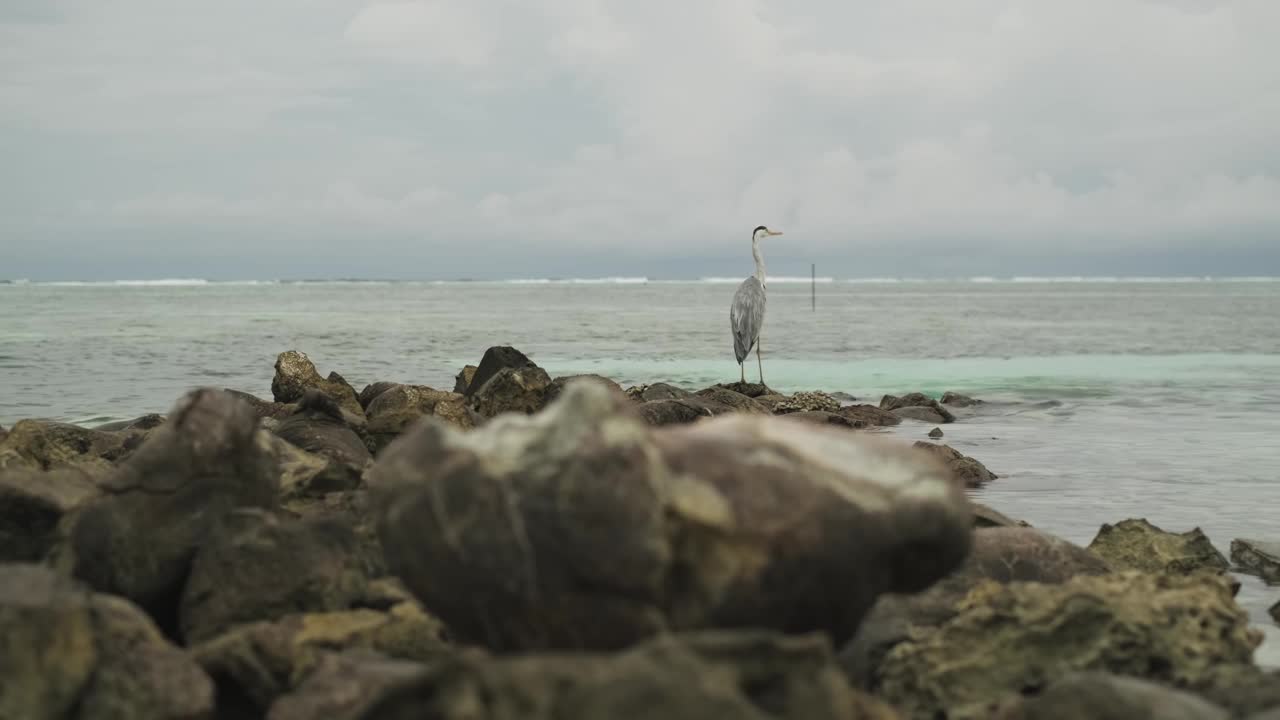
(1107, 400)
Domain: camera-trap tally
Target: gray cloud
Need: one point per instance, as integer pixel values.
(441, 137)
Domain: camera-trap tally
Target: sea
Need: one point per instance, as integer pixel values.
(1106, 398)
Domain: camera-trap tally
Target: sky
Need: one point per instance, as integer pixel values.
(430, 139)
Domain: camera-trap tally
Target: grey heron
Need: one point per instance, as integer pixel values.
(746, 314)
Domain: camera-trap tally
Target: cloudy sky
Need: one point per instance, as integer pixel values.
(490, 138)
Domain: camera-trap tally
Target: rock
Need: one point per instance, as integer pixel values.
(33, 504)
(806, 402)
(145, 422)
(372, 391)
(138, 540)
(1243, 689)
(510, 391)
(965, 469)
(823, 417)
(254, 566)
(744, 676)
(917, 406)
(296, 467)
(1274, 611)
(957, 400)
(462, 380)
(1003, 555)
(736, 401)
(1019, 637)
(557, 386)
(870, 415)
(495, 359)
(320, 427)
(265, 409)
(399, 407)
(346, 686)
(657, 391)
(985, 516)
(296, 374)
(40, 445)
(936, 433)
(751, 390)
(679, 412)
(771, 401)
(69, 653)
(259, 662)
(349, 508)
(1257, 557)
(582, 528)
(1101, 696)
(1139, 545)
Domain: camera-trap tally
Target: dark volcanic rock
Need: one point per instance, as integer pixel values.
(823, 417)
(1138, 545)
(255, 567)
(296, 374)
(1257, 557)
(372, 391)
(145, 422)
(869, 414)
(936, 433)
(965, 469)
(985, 516)
(462, 380)
(265, 409)
(917, 406)
(582, 528)
(42, 445)
(68, 653)
(743, 676)
(557, 386)
(1100, 696)
(33, 504)
(957, 400)
(399, 407)
(495, 359)
(1017, 638)
(737, 401)
(139, 539)
(510, 390)
(320, 427)
(679, 412)
(657, 391)
(346, 686)
(751, 390)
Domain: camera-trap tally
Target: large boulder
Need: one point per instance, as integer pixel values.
(296, 374)
(681, 411)
(869, 415)
(372, 391)
(349, 508)
(462, 380)
(265, 409)
(751, 390)
(822, 417)
(40, 445)
(558, 385)
(398, 407)
(1257, 557)
(138, 540)
(319, 426)
(33, 505)
(496, 358)
(745, 676)
(510, 390)
(255, 566)
(955, 399)
(965, 469)
(582, 528)
(917, 406)
(1138, 545)
(657, 391)
(735, 400)
(1101, 696)
(69, 653)
(1008, 639)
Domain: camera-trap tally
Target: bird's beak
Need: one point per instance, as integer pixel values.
(774, 232)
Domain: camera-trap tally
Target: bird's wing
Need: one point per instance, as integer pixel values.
(746, 315)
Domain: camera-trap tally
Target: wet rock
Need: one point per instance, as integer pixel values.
(751, 390)
(807, 402)
(349, 508)
(255, 566)
(69, 653)
(735, 401)
(138, 540)
(917, 406)
(823, 417)
(679, 412)
(256, 663)
(296, 374)
(462, 380)
(40, 445)
(1101, 696)
(557, 386)
(965, 469)
(657, 391)
(297, 468)
(145, 422)
(739, 520)
(510, 391)
(265, 409)
(399, 407)
(745, 676)
(372, 391)
(986, 516)
(936, 433)
(1257, 557)
(346, 686)
(1019, 637)
(495, 359)
(869, 414)
(957, 400)
(771, 401)
(1002, 555)
(1138, 545)
(319, 426)
(33, 505)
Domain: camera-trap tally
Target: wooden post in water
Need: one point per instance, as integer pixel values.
(813, 286)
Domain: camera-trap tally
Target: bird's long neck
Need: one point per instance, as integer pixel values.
(755, 253)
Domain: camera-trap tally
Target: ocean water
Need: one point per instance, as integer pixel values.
(1107, 398)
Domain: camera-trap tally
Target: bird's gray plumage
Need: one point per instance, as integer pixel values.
(746, 316)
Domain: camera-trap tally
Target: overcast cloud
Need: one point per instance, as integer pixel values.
(450, 138)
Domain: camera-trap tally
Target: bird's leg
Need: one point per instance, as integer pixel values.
(743, 372)
(759, 363)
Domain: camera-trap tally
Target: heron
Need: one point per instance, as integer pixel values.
(746, 314)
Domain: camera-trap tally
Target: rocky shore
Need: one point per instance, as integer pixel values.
(528, 547)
